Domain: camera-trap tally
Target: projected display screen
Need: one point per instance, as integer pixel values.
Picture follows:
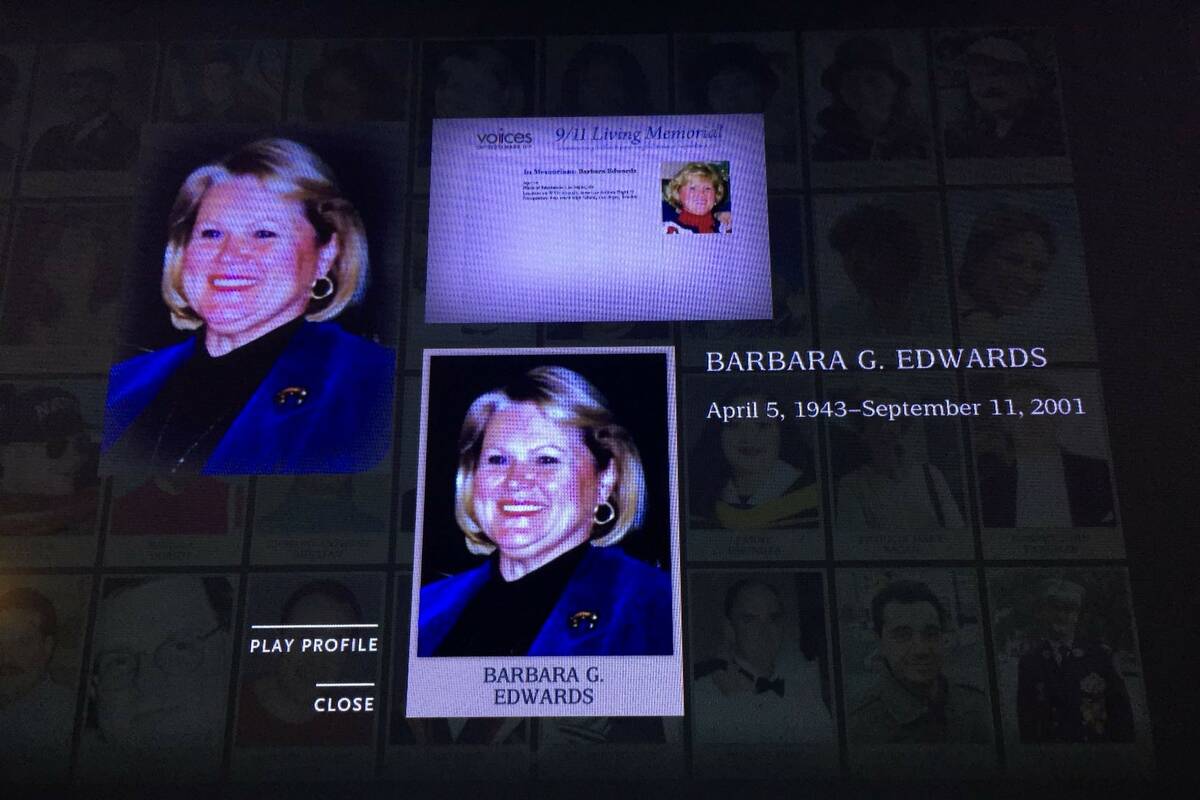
(403, 401)
(618, 208)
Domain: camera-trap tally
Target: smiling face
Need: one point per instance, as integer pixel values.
(1013, 273)
(912, 642)
(536, 487)
(698, 195)
(250, 263)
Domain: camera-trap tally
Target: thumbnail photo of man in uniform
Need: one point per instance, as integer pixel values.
(761, 686)
(37, 713)
(913, 701)
(1068, 687)
(159, 679)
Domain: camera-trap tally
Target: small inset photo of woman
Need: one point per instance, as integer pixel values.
(258, 328)
(696, 197)
(547, 527)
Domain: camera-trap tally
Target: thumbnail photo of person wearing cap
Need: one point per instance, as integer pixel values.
(37, 714)
(48, 460)
(1068, 687)
(94, 136)
(871, 116)
(263, 252)
(549, 482)
(1010, 107)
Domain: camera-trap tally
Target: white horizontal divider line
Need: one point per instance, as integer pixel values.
(340, 685)
(332, 625)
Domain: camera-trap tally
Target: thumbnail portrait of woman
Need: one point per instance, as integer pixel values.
(752, 474)
(696, 198)
(1020, 272)
(263, 252)
(548, 485)
(1005, 265)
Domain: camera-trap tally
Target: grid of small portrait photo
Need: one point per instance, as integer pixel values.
(949, 588)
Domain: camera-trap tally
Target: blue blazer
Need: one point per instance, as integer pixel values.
(343, 424)
(631, 602)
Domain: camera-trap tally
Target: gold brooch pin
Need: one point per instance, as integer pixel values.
(583, 619)
(291, 396)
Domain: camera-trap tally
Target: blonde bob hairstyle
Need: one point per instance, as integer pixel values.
(694, 169)
(566, 398)
(296, 173)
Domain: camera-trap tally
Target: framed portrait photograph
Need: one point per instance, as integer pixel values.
(260, 316)
(546, 565)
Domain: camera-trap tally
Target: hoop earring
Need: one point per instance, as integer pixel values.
(322, 287)
(609, 517)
